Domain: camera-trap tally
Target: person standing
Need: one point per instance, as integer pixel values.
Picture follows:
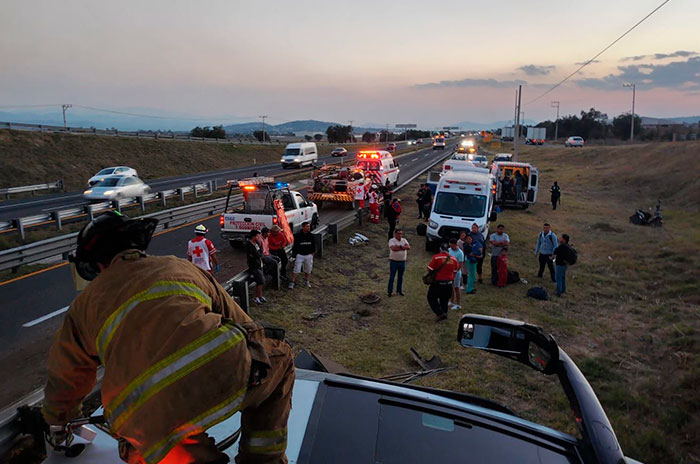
(478, 238)
(419, 200)
(359, 196)
(503, 267)
(398, 252)
(374, 204)
(556, 195)
(562, 259)
(277, 242)
(427, 202)
(498, 240)
(546, 243)
(255, 264)
(444, 266)
(458, 255)
(392, 215)
(387, 195)
(474, 253)
(519, 185)
(201, 251)
(303, 250)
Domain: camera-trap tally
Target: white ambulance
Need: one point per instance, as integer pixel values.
(462, 197)
(379, 166)
(507, 174)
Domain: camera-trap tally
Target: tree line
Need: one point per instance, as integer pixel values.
(216, 132)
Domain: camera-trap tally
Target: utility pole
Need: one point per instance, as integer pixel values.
(65, 107)
(634, 91)
(263, 127)
(555, 104)
(387, 134)
(517, 125)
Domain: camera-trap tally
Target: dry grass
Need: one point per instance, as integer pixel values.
(631, 319)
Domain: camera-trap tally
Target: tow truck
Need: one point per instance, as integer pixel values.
(342, 418)
(265, 203)
(335, 184)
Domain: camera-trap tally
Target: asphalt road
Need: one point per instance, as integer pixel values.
(13, 209)
(33, 306)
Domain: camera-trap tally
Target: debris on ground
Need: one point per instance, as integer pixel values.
(315, 315)
(425, 364)
(358, 239)
(406, 377)
(370, 298)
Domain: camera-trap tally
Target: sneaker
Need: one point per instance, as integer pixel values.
(308, 284)
(388, 294)
(291, 285)
(456, 307)
(401, 293)
(263, 299)
(441, 317)
(257, 301)
(471, 292)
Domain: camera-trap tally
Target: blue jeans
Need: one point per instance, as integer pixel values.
(394, 267)
(560, 275)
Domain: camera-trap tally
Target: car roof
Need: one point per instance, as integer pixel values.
(468, 173)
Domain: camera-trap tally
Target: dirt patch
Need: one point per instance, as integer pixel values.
(605, 227)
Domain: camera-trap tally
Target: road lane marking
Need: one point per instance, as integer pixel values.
(55, 266)
(427, 154)
(46, 317)
(414, 159)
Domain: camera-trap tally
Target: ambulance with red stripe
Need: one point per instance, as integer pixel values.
(379, 166)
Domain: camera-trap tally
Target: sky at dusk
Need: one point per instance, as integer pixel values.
(430, 63)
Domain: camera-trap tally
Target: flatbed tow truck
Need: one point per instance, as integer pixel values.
(343, 418)
(335, 184)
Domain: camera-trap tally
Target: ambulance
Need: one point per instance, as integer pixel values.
(462, 197)
(504, 173)
(379, 166)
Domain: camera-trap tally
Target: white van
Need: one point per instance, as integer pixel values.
(379, 166)
(462, 197)
(299, 154)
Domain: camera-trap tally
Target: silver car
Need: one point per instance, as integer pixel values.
(115, 187)
(113, 171)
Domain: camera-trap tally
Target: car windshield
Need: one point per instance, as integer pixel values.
(460, 204)
(110, 182)
(291, 152)
(479, 158)
(339, 149)
(106, 172)
(368, 165)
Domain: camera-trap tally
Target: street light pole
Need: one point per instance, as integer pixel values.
(634, 92)
(263, 127)
(555, 104)
(516, 136)
(65, 107)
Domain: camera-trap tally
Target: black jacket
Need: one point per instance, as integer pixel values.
(304, 244)
(253, 256)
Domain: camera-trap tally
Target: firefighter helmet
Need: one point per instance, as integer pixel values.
(105, 236)
(200, 230)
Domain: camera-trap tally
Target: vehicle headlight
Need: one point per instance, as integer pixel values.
(109, 192)
(87, 192)
(296, 160)
(433, 224)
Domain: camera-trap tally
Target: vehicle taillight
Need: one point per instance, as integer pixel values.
(274, 219)
(448, 167)
(221, 221)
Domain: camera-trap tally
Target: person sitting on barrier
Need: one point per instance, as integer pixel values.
(255, 264)
(179, 355)
(277, 242)
(270, 262)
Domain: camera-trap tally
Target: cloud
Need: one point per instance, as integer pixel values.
(534, 70)
(471, 83)
(584, 62)
(678, 75)
(661, 56)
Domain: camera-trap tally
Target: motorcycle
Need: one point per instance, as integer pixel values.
(644, 218)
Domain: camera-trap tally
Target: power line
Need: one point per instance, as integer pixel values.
(601, 52)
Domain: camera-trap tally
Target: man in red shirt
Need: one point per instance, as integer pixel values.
(201, 251)
(276, 242)
(444, 266)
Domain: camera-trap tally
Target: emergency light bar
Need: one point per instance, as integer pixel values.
(255, 181)
(372, 155)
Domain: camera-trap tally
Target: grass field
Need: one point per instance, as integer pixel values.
(631, 318)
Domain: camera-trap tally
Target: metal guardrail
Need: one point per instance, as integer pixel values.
(31, 188)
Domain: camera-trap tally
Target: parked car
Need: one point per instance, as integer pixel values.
(340, 151)
(113, 171)
(574, 141)
(391, 148)
(115, 187)
(502, 157)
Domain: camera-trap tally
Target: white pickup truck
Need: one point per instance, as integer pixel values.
(260, 209)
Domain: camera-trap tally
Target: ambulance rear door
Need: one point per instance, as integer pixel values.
(533, 185)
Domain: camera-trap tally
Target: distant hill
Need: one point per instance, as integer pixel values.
(677, 120)
(309, 125)
(467, 125)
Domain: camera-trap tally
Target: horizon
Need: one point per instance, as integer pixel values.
(184, 63)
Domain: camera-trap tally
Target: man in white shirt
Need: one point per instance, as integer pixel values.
(498, 241)
(398, 252)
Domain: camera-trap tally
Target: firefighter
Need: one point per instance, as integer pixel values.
(201, 251)
(179, 354)
(374, 204)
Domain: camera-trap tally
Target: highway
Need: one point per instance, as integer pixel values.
(33, 306)
(13, 209)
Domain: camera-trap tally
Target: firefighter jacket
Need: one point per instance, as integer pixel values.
(174, 354)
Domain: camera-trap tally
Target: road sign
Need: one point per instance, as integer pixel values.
(450, 128)
(406, 126)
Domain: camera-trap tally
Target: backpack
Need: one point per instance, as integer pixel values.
(538, 293)
(513, 277)
(573, 255)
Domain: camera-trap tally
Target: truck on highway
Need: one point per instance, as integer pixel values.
(439, 142)
(299, 154)
(336, 184)
(536, 135)
(507, 191)
(507, 134)
(463, 197)
(265, 203)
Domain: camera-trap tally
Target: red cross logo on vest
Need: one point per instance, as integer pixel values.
(198, 251)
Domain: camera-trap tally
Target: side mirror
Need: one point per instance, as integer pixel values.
(525, 343)
(493, 217)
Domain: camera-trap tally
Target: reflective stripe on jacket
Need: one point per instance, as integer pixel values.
(174, 353)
